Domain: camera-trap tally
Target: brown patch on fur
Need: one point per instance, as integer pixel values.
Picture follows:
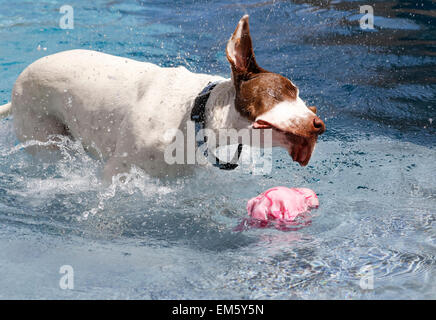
(313, 109)
(257, 90)
(261, 92)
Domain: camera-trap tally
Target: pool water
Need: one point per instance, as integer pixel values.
(374, 235)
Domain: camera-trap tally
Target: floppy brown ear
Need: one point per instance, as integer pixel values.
(239, 50)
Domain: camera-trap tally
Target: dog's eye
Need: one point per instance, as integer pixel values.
(271, 93)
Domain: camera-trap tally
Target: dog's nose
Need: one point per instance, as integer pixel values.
(318, 125)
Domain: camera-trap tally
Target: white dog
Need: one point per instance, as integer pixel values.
(122, 109)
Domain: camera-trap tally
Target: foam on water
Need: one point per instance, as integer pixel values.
(149, 234)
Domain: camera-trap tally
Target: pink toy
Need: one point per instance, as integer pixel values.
(282, 205)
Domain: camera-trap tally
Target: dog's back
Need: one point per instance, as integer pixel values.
(93, 94)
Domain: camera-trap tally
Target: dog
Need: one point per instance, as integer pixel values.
(121, 109)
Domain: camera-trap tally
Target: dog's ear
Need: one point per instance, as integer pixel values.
(240, 52)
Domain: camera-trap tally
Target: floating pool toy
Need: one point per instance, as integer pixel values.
(282, 204)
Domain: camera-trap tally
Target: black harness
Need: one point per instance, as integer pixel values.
(199, 117)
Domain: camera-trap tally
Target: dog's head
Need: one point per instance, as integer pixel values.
(271, 101)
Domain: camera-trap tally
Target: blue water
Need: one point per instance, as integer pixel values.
(374, 168)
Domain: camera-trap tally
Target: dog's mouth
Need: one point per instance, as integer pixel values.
(299, 147)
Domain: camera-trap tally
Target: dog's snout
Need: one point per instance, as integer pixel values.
(318, 125)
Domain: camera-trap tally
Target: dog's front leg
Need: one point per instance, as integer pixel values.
(114, 166)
